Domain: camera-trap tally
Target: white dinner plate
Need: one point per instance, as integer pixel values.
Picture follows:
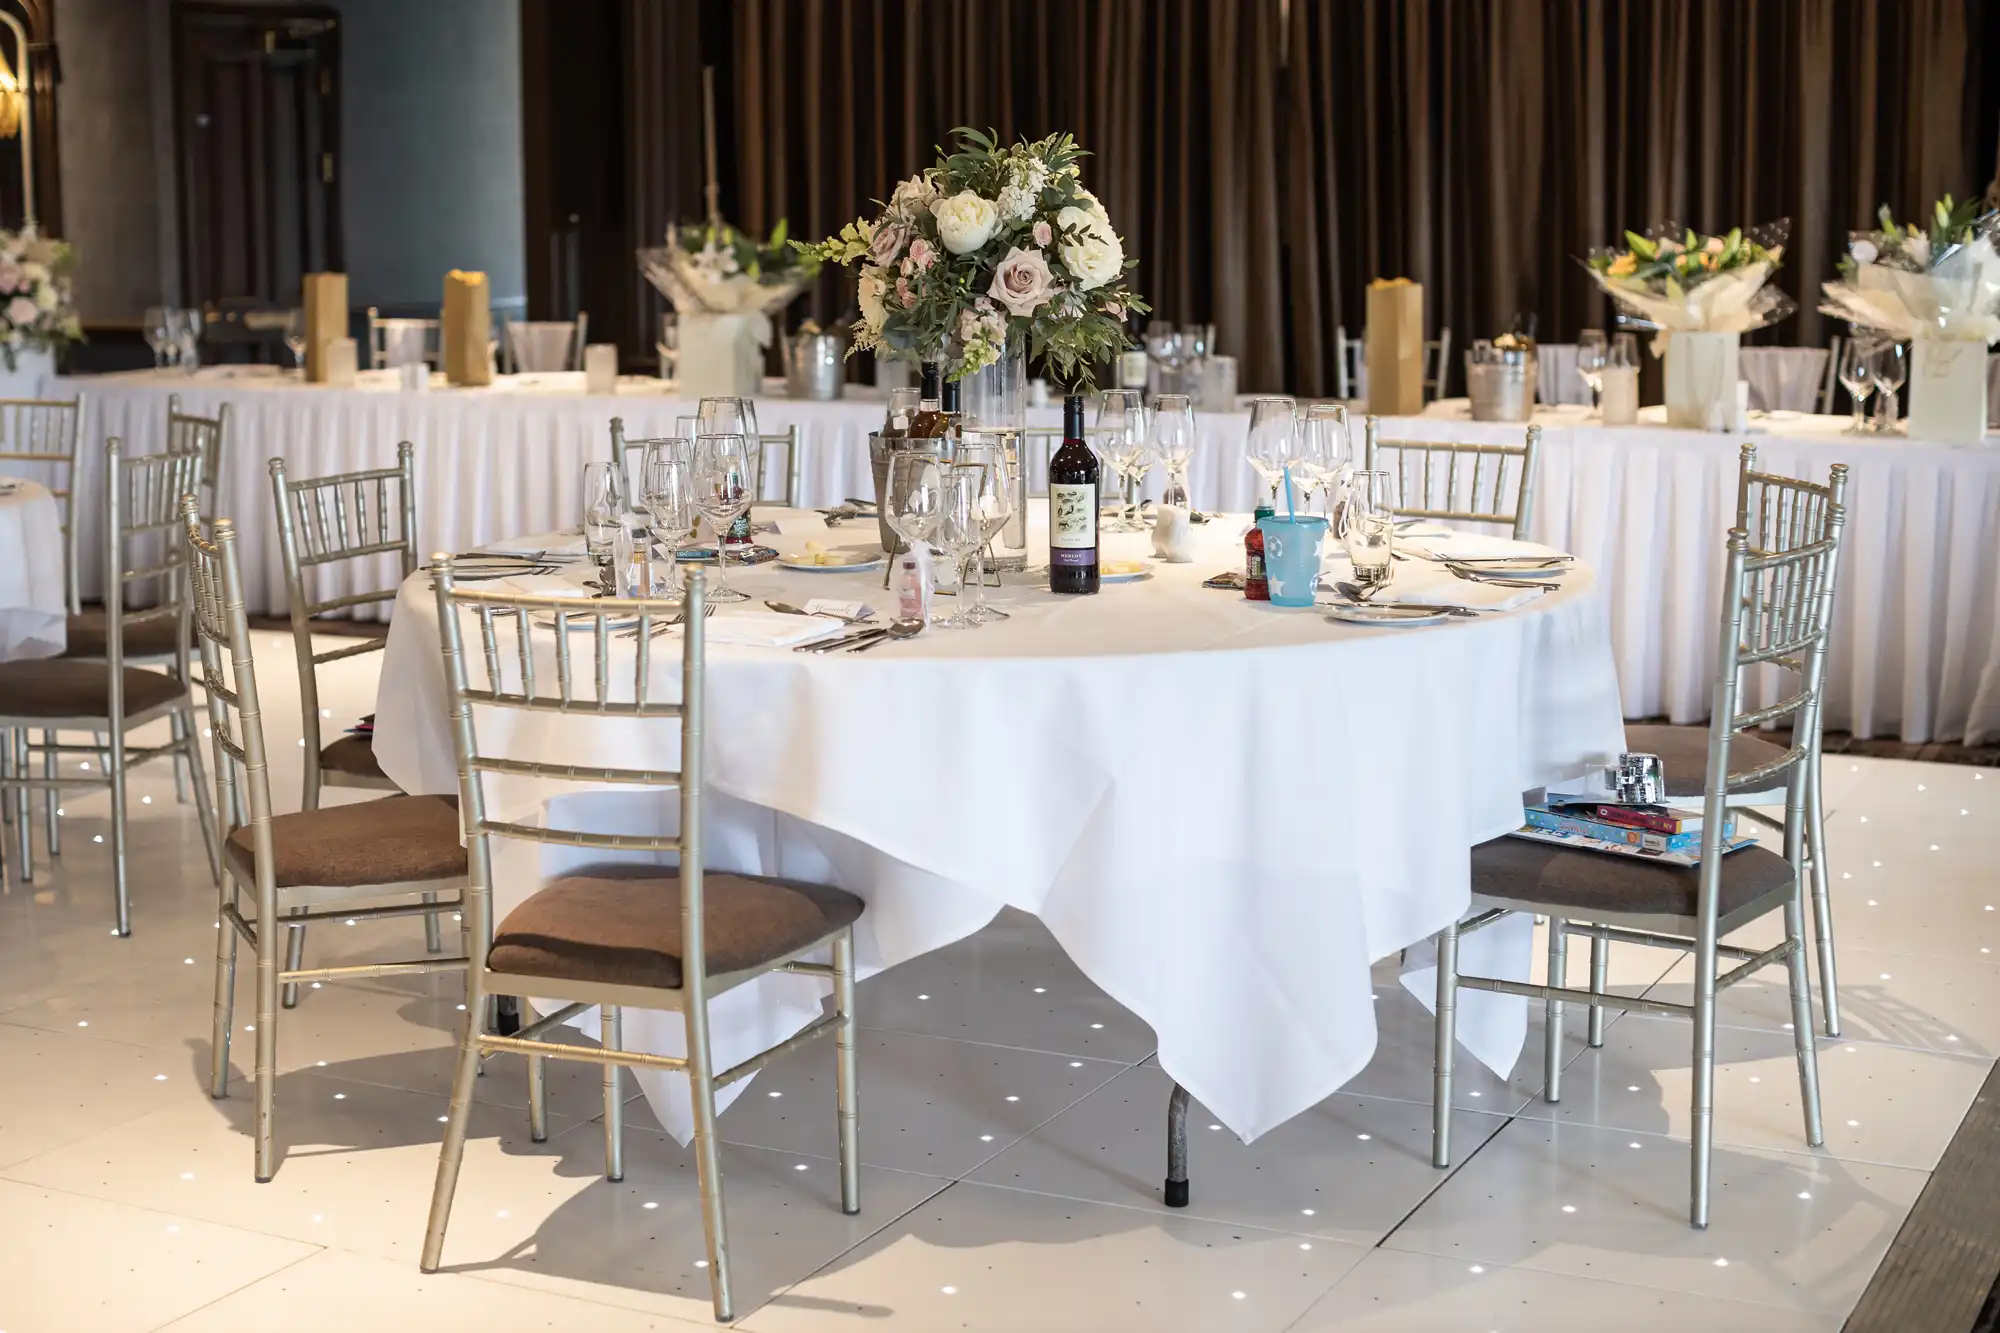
(1145, 571)
(799, 563)
(586, 622)
(1514, 573)
(1382, 615)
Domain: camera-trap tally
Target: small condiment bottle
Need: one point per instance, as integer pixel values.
(1256, 587)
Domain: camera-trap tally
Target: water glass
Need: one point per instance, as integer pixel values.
(1173, 444)
(724, 486)
(1368, 527)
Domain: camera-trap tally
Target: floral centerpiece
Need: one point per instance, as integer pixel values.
(1702, 293)
(1937, 286)
(1672, 280)
(36, 313)
(725, 285)
(992, 252)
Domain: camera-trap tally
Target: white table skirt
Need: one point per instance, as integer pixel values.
(1222, 810)
(33, 609)
(1917, 640)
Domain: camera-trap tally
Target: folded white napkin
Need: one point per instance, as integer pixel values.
(1173, 534)
(546, 543)
(1424, 584)
(769, 629)
(1467, 545)
(541, 585)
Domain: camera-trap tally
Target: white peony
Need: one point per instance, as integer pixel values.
(45, 296)
(965, 221)
(870, 292)
(1095, 256)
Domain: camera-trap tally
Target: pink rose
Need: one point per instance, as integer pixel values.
(904, 294)
(22, 312)
(1043, 233)
(1022, 282)
(10, 277)
(887, 243)
(1114, 309)
(921, 254)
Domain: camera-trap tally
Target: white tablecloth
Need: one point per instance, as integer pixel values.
(33, 614)
(1223, 810)
(1917, 650)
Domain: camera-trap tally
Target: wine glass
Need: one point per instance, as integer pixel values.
(723, 481)
(1121, 414)
(1328, 452)
(1173, 444)
(158, 328)
(295, 339)
(187, 337)
(1591, 357)
(994, 508)
(1271, 438)
(1368, 527)
(1857, 376)
(667, 491)
(603, 508)
(727, 416)
(962, 533)
(1890, 369)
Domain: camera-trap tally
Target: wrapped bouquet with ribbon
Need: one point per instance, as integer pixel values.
(1702, 293)
(725, 286)
(1937, 287)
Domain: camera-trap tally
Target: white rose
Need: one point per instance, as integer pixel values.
(33, 272)
(965, 221)
(1022, 282)
(1096, 256)
(45, 296)
(870, 291)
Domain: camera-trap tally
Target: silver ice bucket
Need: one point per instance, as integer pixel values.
(816, 366)
(1501, 382)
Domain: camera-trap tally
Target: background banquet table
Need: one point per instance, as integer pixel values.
(1917, 636)
(1224, 811)
(33, 609)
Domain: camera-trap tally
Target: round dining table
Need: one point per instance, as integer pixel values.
(33, 603)
(1223, 810)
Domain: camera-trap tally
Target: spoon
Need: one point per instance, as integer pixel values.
(1363, 597)
(901, 629)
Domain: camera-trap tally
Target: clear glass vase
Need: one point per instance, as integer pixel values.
(995, 400)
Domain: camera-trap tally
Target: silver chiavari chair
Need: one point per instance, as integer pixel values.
(1456, 482)
(1829, 384)
(1350, 358)
(544, 344)
(297, 868)
(188, 430)
(44, 435)
(109, 696)
(630, 454)
(382, 333)
(1775, 610)
(608, 937)
(1780, 514)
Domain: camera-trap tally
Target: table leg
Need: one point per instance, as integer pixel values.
(1177, 1177)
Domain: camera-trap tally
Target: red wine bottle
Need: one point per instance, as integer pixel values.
(1073, 507)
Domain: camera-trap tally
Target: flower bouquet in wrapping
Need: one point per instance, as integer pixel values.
(1702, 293)
(992, 249)
(1939, 288)
(725, 286)
(36, 311)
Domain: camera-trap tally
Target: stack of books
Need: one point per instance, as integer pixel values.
(1650, 831)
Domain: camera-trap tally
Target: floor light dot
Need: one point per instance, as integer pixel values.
(159, 1078)
(340, 1096)
(1633, 1144)
(1041, 990)
(320, 1063)
(1569, 1207)
(949, 1291)
(1631, 1087)
(1872, 903)
(1805, 1194)
(1854, 1124)
(97, 837)
(923, 997)
(501, 1213)
(650, 1204)
(1755, 1079)
(1934, 846)
(1013, 1099)
(1305, 1245)
(444, 1119)
(1864, 819)
(461, 1009)
(1238, 1295)
(800, 1167)
(187, 1175)
(1076, 1064)
(188, 961)
(1477, 1268)
(83, 1023)
(986, 1138)
(84, 767)
(60, 811)
(1215, 1126)
(775, 1094)
(1306, 1212)
(1364, 1137)
(1722, 1263)
(1475, 1094)
(1094, 1027)
(145, 800)
(701, 1263)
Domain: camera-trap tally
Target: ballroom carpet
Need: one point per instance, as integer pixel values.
(1012, 1134)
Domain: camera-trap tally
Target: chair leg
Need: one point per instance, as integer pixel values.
(1444, 1045)
(611, 1021)
(1600, 964)
(268, 936)
(178, 725)
(1552, 1026)
(120, 889)
(451, 1153)
(847, 1090)
(1702, 1101)
(204, 799)
(1800, 979)
(1829, 982)
(433, 941)
(538, 1097)
(51, 798)
(295, 958)
(24, 836)
(1176, 1192)
(225, 993)
(708, 1163)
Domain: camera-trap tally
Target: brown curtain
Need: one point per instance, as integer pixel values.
(831, 102)
(1481, 147)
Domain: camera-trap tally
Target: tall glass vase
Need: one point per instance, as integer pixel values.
(995, 400)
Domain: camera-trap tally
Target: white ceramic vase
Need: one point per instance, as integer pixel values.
(1947, 390)
(1701, 380)
(34, 371)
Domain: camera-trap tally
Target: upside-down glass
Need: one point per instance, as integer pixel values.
(723, 490)
(1368, 527)
(669, 496)
(603, 507)
(1173, 444)
(1271, 438)
(1858, 377)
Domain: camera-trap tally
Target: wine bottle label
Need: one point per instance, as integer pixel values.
(1072, 524)
(739, 531)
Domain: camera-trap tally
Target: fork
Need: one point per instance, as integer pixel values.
(665, 625)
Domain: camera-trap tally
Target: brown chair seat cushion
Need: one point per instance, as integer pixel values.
(58, 687)
(1518, 870)
(352, 754)
(1684, 752)
(390, 841)
(621, 925)
(150, 638)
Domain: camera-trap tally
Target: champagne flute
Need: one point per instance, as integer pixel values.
(723, 481)
(669, 496)
(1173, 444)
(1591, 357)
(1368, 528)
(1857, 376)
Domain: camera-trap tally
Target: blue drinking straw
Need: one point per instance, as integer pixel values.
(1291, 513)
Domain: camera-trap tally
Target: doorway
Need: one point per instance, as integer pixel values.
(257, 137)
